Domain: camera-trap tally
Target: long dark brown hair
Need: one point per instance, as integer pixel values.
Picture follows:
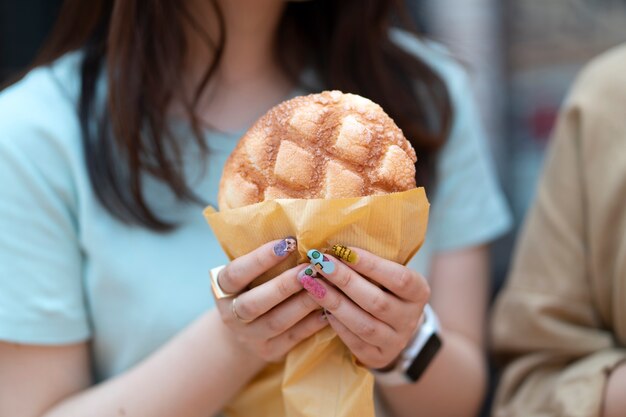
(140, 46)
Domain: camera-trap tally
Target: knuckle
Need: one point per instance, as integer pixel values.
(404, 280)
(344, 278)
(307, 303)
(275, 325)
(358, 346)
(228, 278)
(293, 336)
(263, 261)
(367, 330)
(298, 333)
(282, 286)
(370, 265)
(258, 258)
(334, 303)
(380, 304)
(247, 309)
(224, 276)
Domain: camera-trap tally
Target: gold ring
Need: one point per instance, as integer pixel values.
(218, 292)
(237, 316)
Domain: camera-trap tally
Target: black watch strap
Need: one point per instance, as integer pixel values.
(424, 358)
(416, 357)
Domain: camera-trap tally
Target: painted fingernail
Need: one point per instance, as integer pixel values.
(320, 261)
(285, 246)
(309, 283)
(345, 253)
(307, 272)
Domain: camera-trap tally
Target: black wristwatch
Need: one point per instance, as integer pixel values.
(416, 357)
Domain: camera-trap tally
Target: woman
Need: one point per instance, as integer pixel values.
(110, 146)
(560, 320)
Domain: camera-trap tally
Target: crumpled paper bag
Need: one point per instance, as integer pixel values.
(319, 377)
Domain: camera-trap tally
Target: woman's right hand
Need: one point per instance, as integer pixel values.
(272, 318)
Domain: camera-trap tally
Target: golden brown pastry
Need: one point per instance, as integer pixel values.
(327, 145)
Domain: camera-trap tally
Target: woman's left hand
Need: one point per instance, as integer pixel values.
(375, 322)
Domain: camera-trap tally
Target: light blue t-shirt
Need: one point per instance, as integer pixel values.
(71, 272)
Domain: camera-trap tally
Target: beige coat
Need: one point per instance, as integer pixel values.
(560, 322)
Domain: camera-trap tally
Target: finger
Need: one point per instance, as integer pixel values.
(359, 321)
(305, 328)
(283, 317)
(400, 280)
(371, 298)
(238, 274)
(369, 355)
(257, 301)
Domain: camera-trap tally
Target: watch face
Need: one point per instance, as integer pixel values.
(426, 355)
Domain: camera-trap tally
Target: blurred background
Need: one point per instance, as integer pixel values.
(522, 56)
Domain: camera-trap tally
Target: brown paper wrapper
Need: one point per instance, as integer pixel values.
(319, 377)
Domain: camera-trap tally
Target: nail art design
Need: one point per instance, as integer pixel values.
(345, 253)
(285, 246)
(308, 271)
(320, 261)
(308, 281)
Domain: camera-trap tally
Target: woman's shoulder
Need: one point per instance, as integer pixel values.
(38, 113)
(40, 139)
(45, 98)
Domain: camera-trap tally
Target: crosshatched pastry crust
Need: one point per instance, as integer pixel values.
(327, 145)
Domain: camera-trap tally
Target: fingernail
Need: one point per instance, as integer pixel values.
(309, 283)
(345, 253)
(320, 261)
(285, 246)
(308, 271)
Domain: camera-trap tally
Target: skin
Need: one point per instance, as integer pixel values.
(182, 379)
(614, 399)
